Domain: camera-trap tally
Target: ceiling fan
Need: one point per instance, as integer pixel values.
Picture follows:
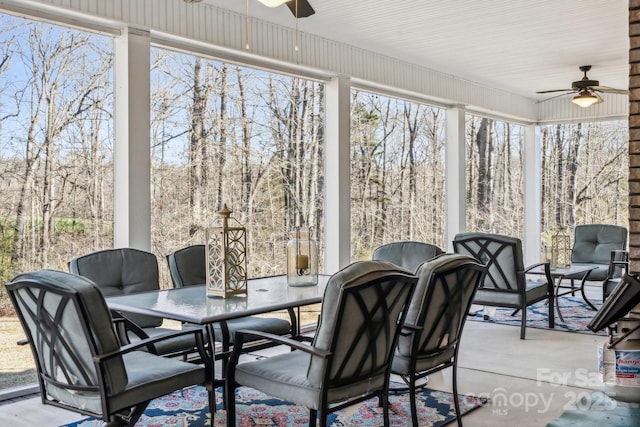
(299, 8)
(586, 90)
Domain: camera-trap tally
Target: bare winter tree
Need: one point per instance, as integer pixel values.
(57, 98)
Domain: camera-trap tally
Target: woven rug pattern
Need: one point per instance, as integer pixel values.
(188, 407)
(576, 313)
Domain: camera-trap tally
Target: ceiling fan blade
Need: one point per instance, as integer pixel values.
(553, 97)
(600, 100)
(605, 89)
(556, 90)
(304, 8)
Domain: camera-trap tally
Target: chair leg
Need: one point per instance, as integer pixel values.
(212, 400)
(456, 404)
(313, 415)
(523, 326)
(230, 397)
(384, 398)
(412, 401)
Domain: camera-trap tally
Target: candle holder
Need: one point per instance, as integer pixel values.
(302, 259)
(226, 255)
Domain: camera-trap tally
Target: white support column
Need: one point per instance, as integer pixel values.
(456, 203)
(532, 194)
(337, 175)
(132, 163)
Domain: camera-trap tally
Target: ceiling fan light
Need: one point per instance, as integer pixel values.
(272, 3)
(585, 99)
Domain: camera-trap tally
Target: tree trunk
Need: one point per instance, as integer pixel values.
(483, 143)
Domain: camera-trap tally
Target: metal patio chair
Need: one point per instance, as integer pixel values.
(506, 283)
(430, 337)
(82, 365)
(350, 358)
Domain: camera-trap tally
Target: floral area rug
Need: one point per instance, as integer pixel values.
(576, 313)
(188, 407)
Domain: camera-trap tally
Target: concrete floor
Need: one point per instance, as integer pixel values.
(529, 382)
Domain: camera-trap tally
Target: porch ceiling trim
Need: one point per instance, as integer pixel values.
(204, 23)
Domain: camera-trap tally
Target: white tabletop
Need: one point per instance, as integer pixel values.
(190, 304)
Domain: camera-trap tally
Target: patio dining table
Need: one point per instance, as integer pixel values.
(191, 304)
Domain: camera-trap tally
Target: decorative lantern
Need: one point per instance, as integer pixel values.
(302, 259)
(560, 249)
(225, 252)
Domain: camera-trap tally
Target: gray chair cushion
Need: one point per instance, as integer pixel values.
(598, 273)
(592, 247)
(187, 266)
(151, 376)
(121, 271)
(593, 243)
(535, 292)
(283, 376)
(408, 255)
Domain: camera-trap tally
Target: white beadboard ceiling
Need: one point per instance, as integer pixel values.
(514, 45)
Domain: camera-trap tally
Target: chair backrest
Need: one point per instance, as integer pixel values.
(67, 323)
(121, 271)
(187, 266)
(407, 255)
(593, 243)
(439, 306)
(502, 255)
(361, 309)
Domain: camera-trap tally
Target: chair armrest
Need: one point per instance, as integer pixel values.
(241, 333)
(619, 260)
(146, 342)
(547, 274)
(532, 266)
